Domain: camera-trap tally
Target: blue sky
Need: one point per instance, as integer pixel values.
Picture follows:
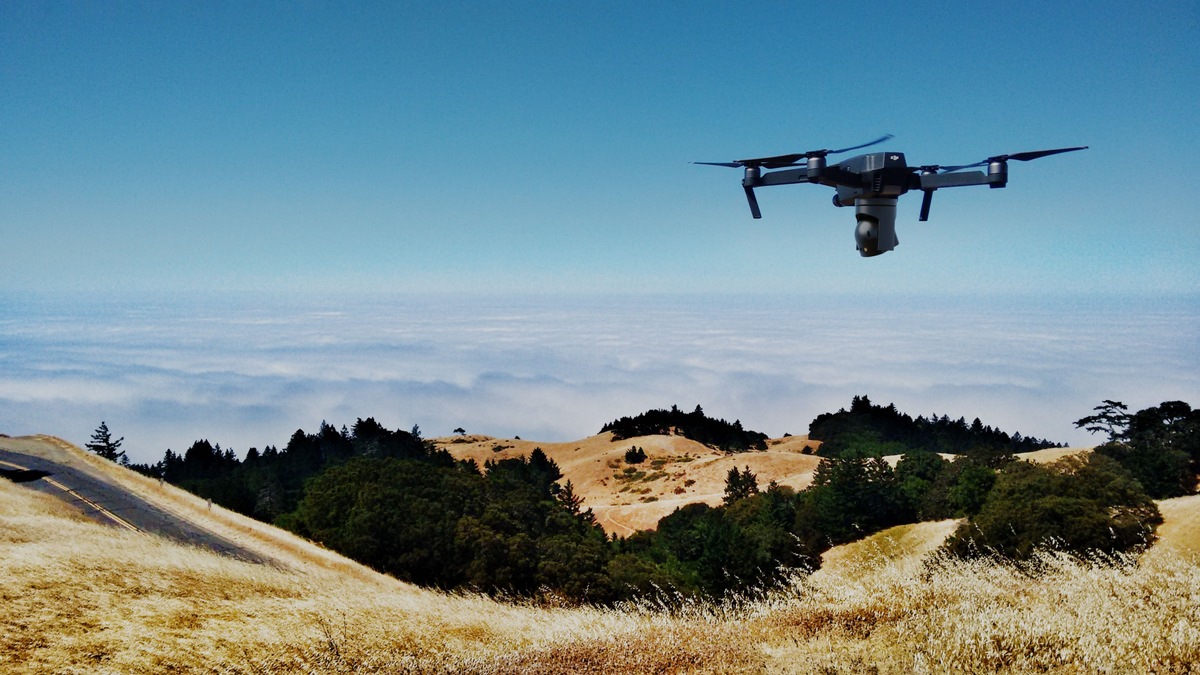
(511, 147)
(230, 220)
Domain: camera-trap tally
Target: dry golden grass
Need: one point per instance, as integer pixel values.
(1181, 525)
(900, 545)
(1048, 455)
(81, 597)
(76, 597)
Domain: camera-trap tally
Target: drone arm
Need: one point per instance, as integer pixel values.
(928, 181)
(933, 181)
(755, 178)
(784, 177)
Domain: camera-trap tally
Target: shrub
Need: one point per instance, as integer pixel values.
(1078, 504)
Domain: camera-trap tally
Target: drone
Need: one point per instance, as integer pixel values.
(873, 183)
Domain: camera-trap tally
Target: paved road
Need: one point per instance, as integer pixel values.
(104, 501)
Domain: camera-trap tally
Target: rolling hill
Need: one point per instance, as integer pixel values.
(83, 597)
(677, 471)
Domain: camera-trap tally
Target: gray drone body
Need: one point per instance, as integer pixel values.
(873, 183)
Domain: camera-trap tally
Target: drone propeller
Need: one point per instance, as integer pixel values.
(1019, 156)
(822, 153)
(776, 162)
(794, 159)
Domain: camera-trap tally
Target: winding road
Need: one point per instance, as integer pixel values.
(102, 499)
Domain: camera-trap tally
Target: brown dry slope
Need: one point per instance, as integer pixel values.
(80, 597)
(77, 596)
(1181, 525)
(677, 471)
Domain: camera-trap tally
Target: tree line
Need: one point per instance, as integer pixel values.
(393, 501)
(868, 429)
(695, 425)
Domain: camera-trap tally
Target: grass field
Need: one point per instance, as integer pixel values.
(82, 598)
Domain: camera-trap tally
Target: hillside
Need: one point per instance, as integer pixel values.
(81, 597)
(677, 470)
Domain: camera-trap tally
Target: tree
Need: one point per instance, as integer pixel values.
(740, 484)
(573, 503)
(916, 473)
(103, 444)
(1110, 418)
(695, 425)
(1079, 504)
(849, 498)
(1158, 445)
(460, 431)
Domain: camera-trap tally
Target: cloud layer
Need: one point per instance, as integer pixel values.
(248, 372)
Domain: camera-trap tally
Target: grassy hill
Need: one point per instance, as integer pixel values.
(677, 471)
(81, 597)
(629, 497)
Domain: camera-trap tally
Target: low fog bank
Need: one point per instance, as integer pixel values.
(248, 371)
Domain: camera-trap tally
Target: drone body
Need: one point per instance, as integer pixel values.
(873, 183)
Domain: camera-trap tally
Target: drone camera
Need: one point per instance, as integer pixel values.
(876, 231)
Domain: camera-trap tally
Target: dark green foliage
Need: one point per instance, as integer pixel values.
(850, 498)
(211, 472)
(512, 530)
(970, 484)
(1110, 418)
(269, 484)
(958, 490)
(869, 430)
(103, 444)
(740, 485)
(713, 551)
(916, 474)
(635, 455)
(398, 516)
(694, 425)
(1160, 446)
(1078, 504)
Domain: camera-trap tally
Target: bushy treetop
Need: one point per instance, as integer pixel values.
(870, 430)
(694, 425)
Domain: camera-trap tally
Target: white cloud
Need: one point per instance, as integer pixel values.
(249, 374)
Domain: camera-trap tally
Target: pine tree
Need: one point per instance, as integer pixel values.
(103, 444)
(740, 485)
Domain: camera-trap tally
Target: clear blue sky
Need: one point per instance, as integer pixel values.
(516, 146)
